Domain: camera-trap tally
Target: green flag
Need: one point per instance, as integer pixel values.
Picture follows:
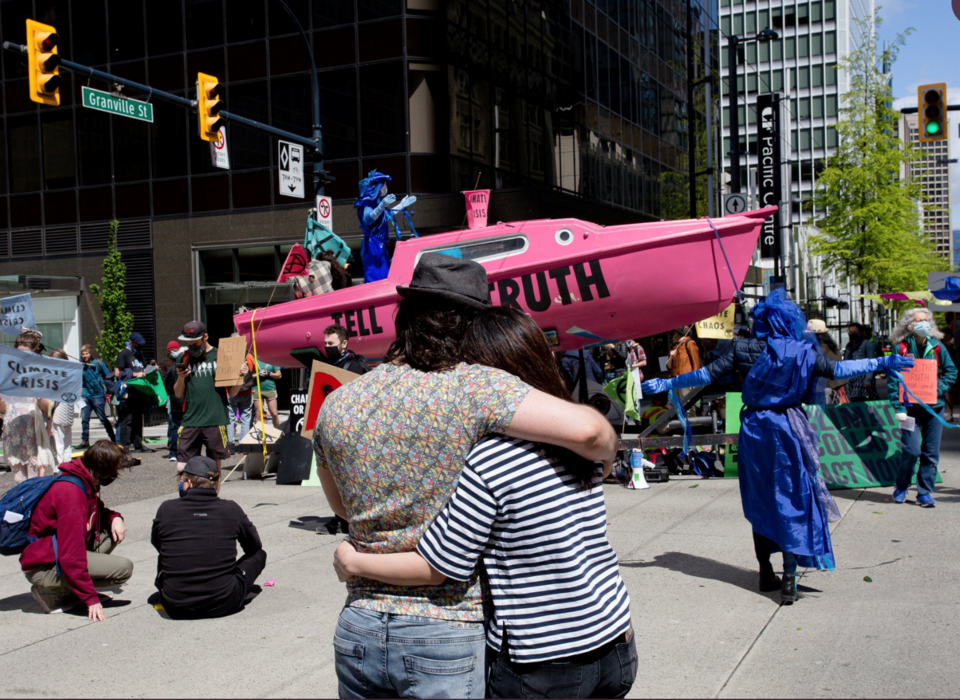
(623, 390)
(151, 385)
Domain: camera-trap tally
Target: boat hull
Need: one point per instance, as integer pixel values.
(581, 283)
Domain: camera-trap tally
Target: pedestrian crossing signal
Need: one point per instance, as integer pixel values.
(932, 110)
(43, 62)
(209, 105)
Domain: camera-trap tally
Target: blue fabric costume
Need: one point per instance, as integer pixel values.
(784, 496)
(376, 228)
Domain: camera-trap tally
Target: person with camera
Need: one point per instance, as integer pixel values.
(205, 415)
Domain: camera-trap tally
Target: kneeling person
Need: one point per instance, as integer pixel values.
(198, 573)
(75, 535)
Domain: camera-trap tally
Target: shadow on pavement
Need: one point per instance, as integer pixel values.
(22, 601)
(312, 523)
(882, 494)
(701, 567)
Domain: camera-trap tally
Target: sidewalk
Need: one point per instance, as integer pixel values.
(686, 554)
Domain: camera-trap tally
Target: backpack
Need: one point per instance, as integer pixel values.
(17, 506)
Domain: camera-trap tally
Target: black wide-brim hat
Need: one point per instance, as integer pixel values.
(439, 276)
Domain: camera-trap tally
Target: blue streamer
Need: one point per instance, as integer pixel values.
(682, 417)
(899, 377)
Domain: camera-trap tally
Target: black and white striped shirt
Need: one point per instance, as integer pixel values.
(554, 578)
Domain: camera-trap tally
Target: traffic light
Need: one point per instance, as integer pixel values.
(932, 109)
(43, 63)
(209, 105)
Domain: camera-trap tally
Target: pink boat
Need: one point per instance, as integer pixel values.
(581, 282)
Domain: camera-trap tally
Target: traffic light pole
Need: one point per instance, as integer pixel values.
(182, 101)
(319, 174)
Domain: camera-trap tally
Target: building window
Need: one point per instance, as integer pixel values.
(830, 42)
(831, 74)
(803, 46)
(830, 9)
(832, 140)
(816, 11)
(816, 44)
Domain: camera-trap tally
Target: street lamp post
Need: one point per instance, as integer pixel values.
(733, 42)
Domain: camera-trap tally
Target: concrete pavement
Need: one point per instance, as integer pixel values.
(686, 555)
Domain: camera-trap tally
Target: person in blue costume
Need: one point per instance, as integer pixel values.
(371, 208)
(784, 497)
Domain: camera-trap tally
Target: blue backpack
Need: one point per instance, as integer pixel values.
(17, 506)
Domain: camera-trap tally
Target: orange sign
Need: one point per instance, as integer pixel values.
(922, 381)
(324, 380)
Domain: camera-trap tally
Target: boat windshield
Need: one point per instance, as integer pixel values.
(486, 249)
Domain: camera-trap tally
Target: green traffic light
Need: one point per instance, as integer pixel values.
(933, 128)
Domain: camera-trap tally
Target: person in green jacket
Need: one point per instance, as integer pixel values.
(916, 335)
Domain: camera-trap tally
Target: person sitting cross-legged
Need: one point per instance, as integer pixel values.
(198, 573)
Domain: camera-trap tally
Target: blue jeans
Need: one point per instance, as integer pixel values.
(173, 432)
(922, 442)
(243, 405)
(97, 405)
(607, 673)
(381, 655)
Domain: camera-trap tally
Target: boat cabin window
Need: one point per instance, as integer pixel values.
(482, 250)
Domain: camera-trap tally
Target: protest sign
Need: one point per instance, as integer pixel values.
(719, 326)
(33, 376)
(478, 204)
(324, 380)
(16, 313)
(151, 385)
(859, 443)
(231, 354)
(922, 381)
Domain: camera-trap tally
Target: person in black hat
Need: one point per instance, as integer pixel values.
(205, 412)
(390, 448)
(129, 365)
(198, 573)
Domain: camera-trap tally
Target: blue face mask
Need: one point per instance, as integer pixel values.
(180, 487)
(921, 328)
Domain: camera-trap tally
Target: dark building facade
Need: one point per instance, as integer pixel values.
(565, 107)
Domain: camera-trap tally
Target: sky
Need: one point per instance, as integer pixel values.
(931, 55)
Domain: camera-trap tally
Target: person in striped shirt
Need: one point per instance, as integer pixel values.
(533, 516)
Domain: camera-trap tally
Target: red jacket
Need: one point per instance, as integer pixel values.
(75, 518)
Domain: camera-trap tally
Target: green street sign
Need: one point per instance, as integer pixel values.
(121, 106)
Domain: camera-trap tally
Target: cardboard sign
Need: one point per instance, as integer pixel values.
(295, 265)
(719, 326)
(324, 380)
(231, 354)
(922, 381)
(478, 204)
(32, 376)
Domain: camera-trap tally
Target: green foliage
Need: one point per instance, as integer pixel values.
(112, 297)
(872, 232)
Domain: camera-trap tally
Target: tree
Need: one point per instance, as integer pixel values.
(871, 231)
(112, 297)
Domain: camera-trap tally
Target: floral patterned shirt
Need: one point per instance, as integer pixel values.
(396, 440)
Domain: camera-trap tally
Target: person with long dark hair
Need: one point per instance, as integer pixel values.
(390, 447)
(534, 515)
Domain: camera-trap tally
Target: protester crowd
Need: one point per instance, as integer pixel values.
(512, 485)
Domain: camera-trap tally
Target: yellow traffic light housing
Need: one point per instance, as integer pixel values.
(932, 112)
(43, 61)
(209, 105)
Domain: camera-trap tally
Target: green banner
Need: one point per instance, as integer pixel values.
(150, 385)
(859, 442)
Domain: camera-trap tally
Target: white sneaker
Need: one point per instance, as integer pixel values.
(52, 603)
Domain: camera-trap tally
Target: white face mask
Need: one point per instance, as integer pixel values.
(921, 328)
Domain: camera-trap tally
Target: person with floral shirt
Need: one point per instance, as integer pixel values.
(390, 448)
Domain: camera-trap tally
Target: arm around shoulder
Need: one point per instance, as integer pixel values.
(581, 429)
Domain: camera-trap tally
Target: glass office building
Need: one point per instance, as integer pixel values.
(566, 107)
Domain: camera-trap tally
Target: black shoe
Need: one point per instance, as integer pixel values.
(86, 445)
(333, 525)
(769, 581)
(788, 591)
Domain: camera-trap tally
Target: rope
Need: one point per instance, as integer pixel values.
(900, 380)
(263, 430)
(723, 250)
